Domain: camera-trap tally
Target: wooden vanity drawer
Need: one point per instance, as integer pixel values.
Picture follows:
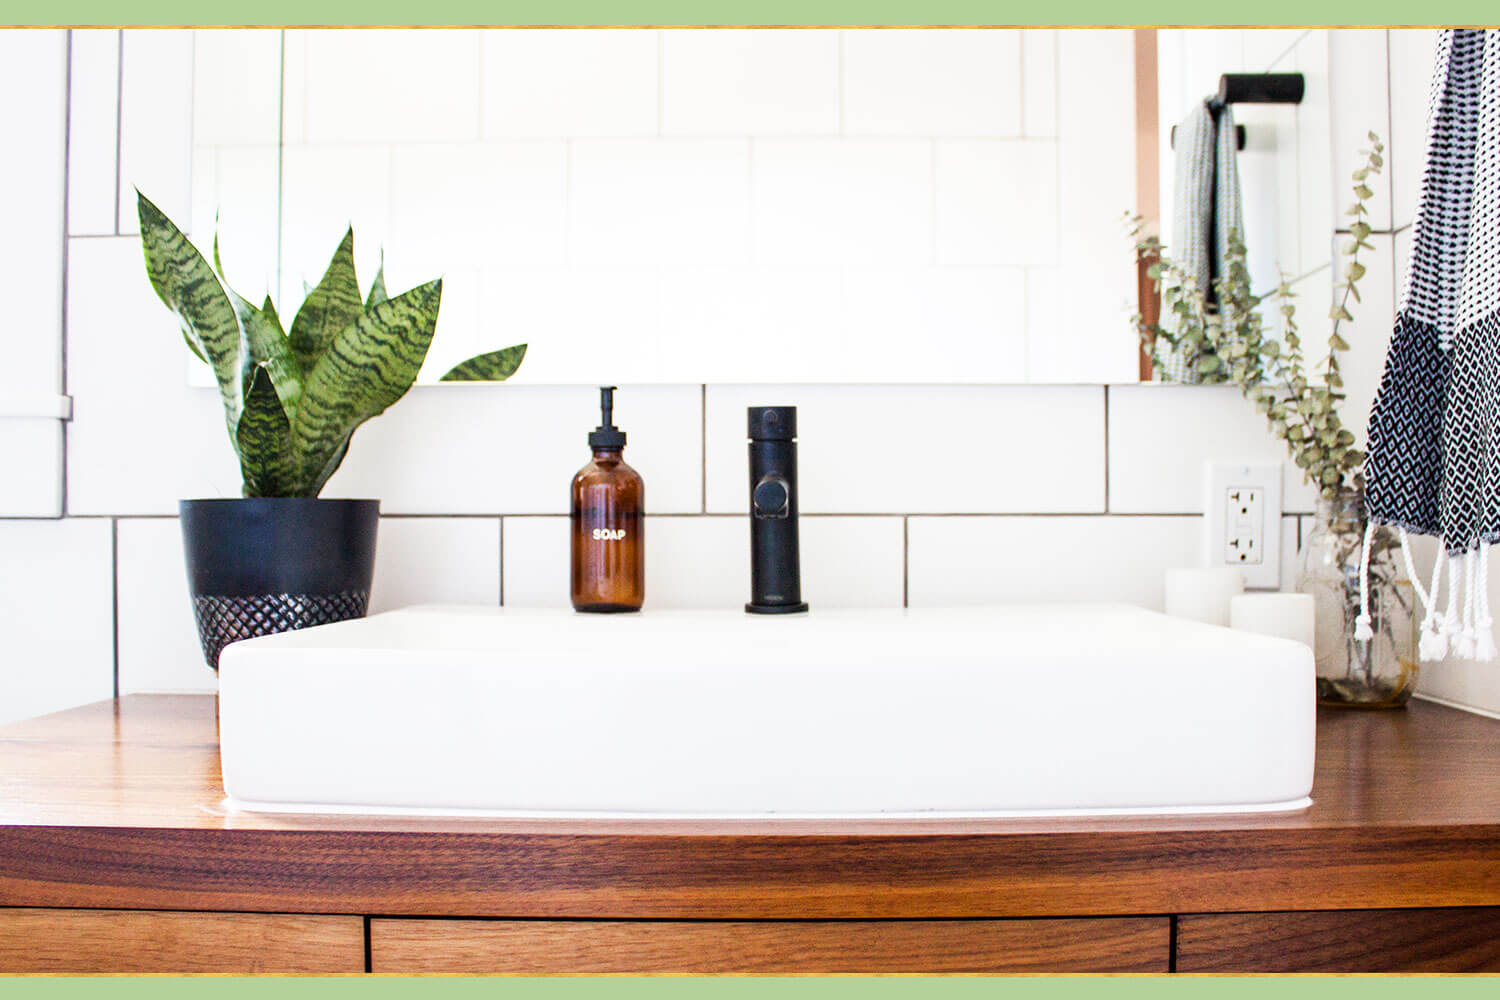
(772, 946)
(1458, 939)
(42, 940)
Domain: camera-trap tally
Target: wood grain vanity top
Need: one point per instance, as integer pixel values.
(119, 804)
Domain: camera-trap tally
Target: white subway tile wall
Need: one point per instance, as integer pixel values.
(1018, 560)
(932, 83)
(33, 450)
(554, 83)
(436, 560)
(1161, 436)
(390, 86)
(1359, 59)
(156, 125)
(750, 82)
(637, 203)
(1321, 192)
(56, 615)
(157, 638)
(704, 562)
(918, 495)
(1039, 83)
(94, 82)
(33, 64)
(1411, 51)
(741, 160)
(921, 449)
(1096, 296)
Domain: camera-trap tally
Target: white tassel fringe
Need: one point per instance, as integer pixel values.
(1484, 625)
(1362, 630)
(1433, 644)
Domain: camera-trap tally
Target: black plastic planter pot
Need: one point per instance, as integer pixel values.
(263, 565)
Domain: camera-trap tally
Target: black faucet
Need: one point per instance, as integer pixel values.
(775, 563)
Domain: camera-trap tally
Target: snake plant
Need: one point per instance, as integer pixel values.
(293, 399)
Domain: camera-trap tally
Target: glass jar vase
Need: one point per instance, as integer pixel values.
(1380, 672)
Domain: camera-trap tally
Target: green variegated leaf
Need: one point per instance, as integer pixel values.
(263, 439)
(314, 486)
(496, 366)
(377, 287)
(184, 281)
(267, 348)
(366, 367)
(330, 307)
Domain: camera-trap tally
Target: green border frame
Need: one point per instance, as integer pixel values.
(724, 13)
(746, 12)
(743, 988)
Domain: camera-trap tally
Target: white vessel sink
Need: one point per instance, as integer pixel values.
(1052, 709)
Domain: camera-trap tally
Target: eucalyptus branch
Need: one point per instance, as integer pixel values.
(1229, 343)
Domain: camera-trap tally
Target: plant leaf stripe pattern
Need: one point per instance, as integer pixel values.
(263, 440)
(368, 366)
(330, 307)
(1434, 432)
(184, 281)
(496, 366)
(293, 400)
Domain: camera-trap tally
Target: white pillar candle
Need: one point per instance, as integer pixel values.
(1203, 594)
(1290, 616)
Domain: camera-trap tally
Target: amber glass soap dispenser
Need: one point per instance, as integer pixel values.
(609, 503)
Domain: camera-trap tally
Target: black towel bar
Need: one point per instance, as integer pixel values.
(1239, 136)
(1260, 88)
(1253, 88)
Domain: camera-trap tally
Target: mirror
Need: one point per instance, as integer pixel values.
(829, 206)
(1285, 164)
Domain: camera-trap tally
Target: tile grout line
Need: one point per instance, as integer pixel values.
(841, 87)
(932, 201)
(119, 119)
(114, 600)
(906, 561)
(1297, 194)
(718, 515)
(1287, 51)
(1106, 450)
(1021, 84)
(478, 105)
(1390, 123)
(568, 261)
(703, 447)
(62, 312)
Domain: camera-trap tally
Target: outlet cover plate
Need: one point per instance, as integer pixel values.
(1242, 517)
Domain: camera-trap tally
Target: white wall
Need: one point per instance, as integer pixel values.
(959, 494)
(33, 64)
(688, 206)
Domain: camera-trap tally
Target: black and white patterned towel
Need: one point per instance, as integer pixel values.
(1434, 432)
(1206, 203)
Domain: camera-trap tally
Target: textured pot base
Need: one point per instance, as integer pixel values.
(222, 620)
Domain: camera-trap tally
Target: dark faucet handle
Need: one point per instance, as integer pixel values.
(772, 497)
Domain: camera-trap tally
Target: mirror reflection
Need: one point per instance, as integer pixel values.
(865, 206)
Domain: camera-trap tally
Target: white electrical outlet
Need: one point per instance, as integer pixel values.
(1243, 518)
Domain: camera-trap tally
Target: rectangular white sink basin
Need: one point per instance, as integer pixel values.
(1057, 709)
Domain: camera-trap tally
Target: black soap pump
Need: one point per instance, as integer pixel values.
(608, 545)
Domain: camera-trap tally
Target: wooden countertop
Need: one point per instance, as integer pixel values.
(119, 804)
